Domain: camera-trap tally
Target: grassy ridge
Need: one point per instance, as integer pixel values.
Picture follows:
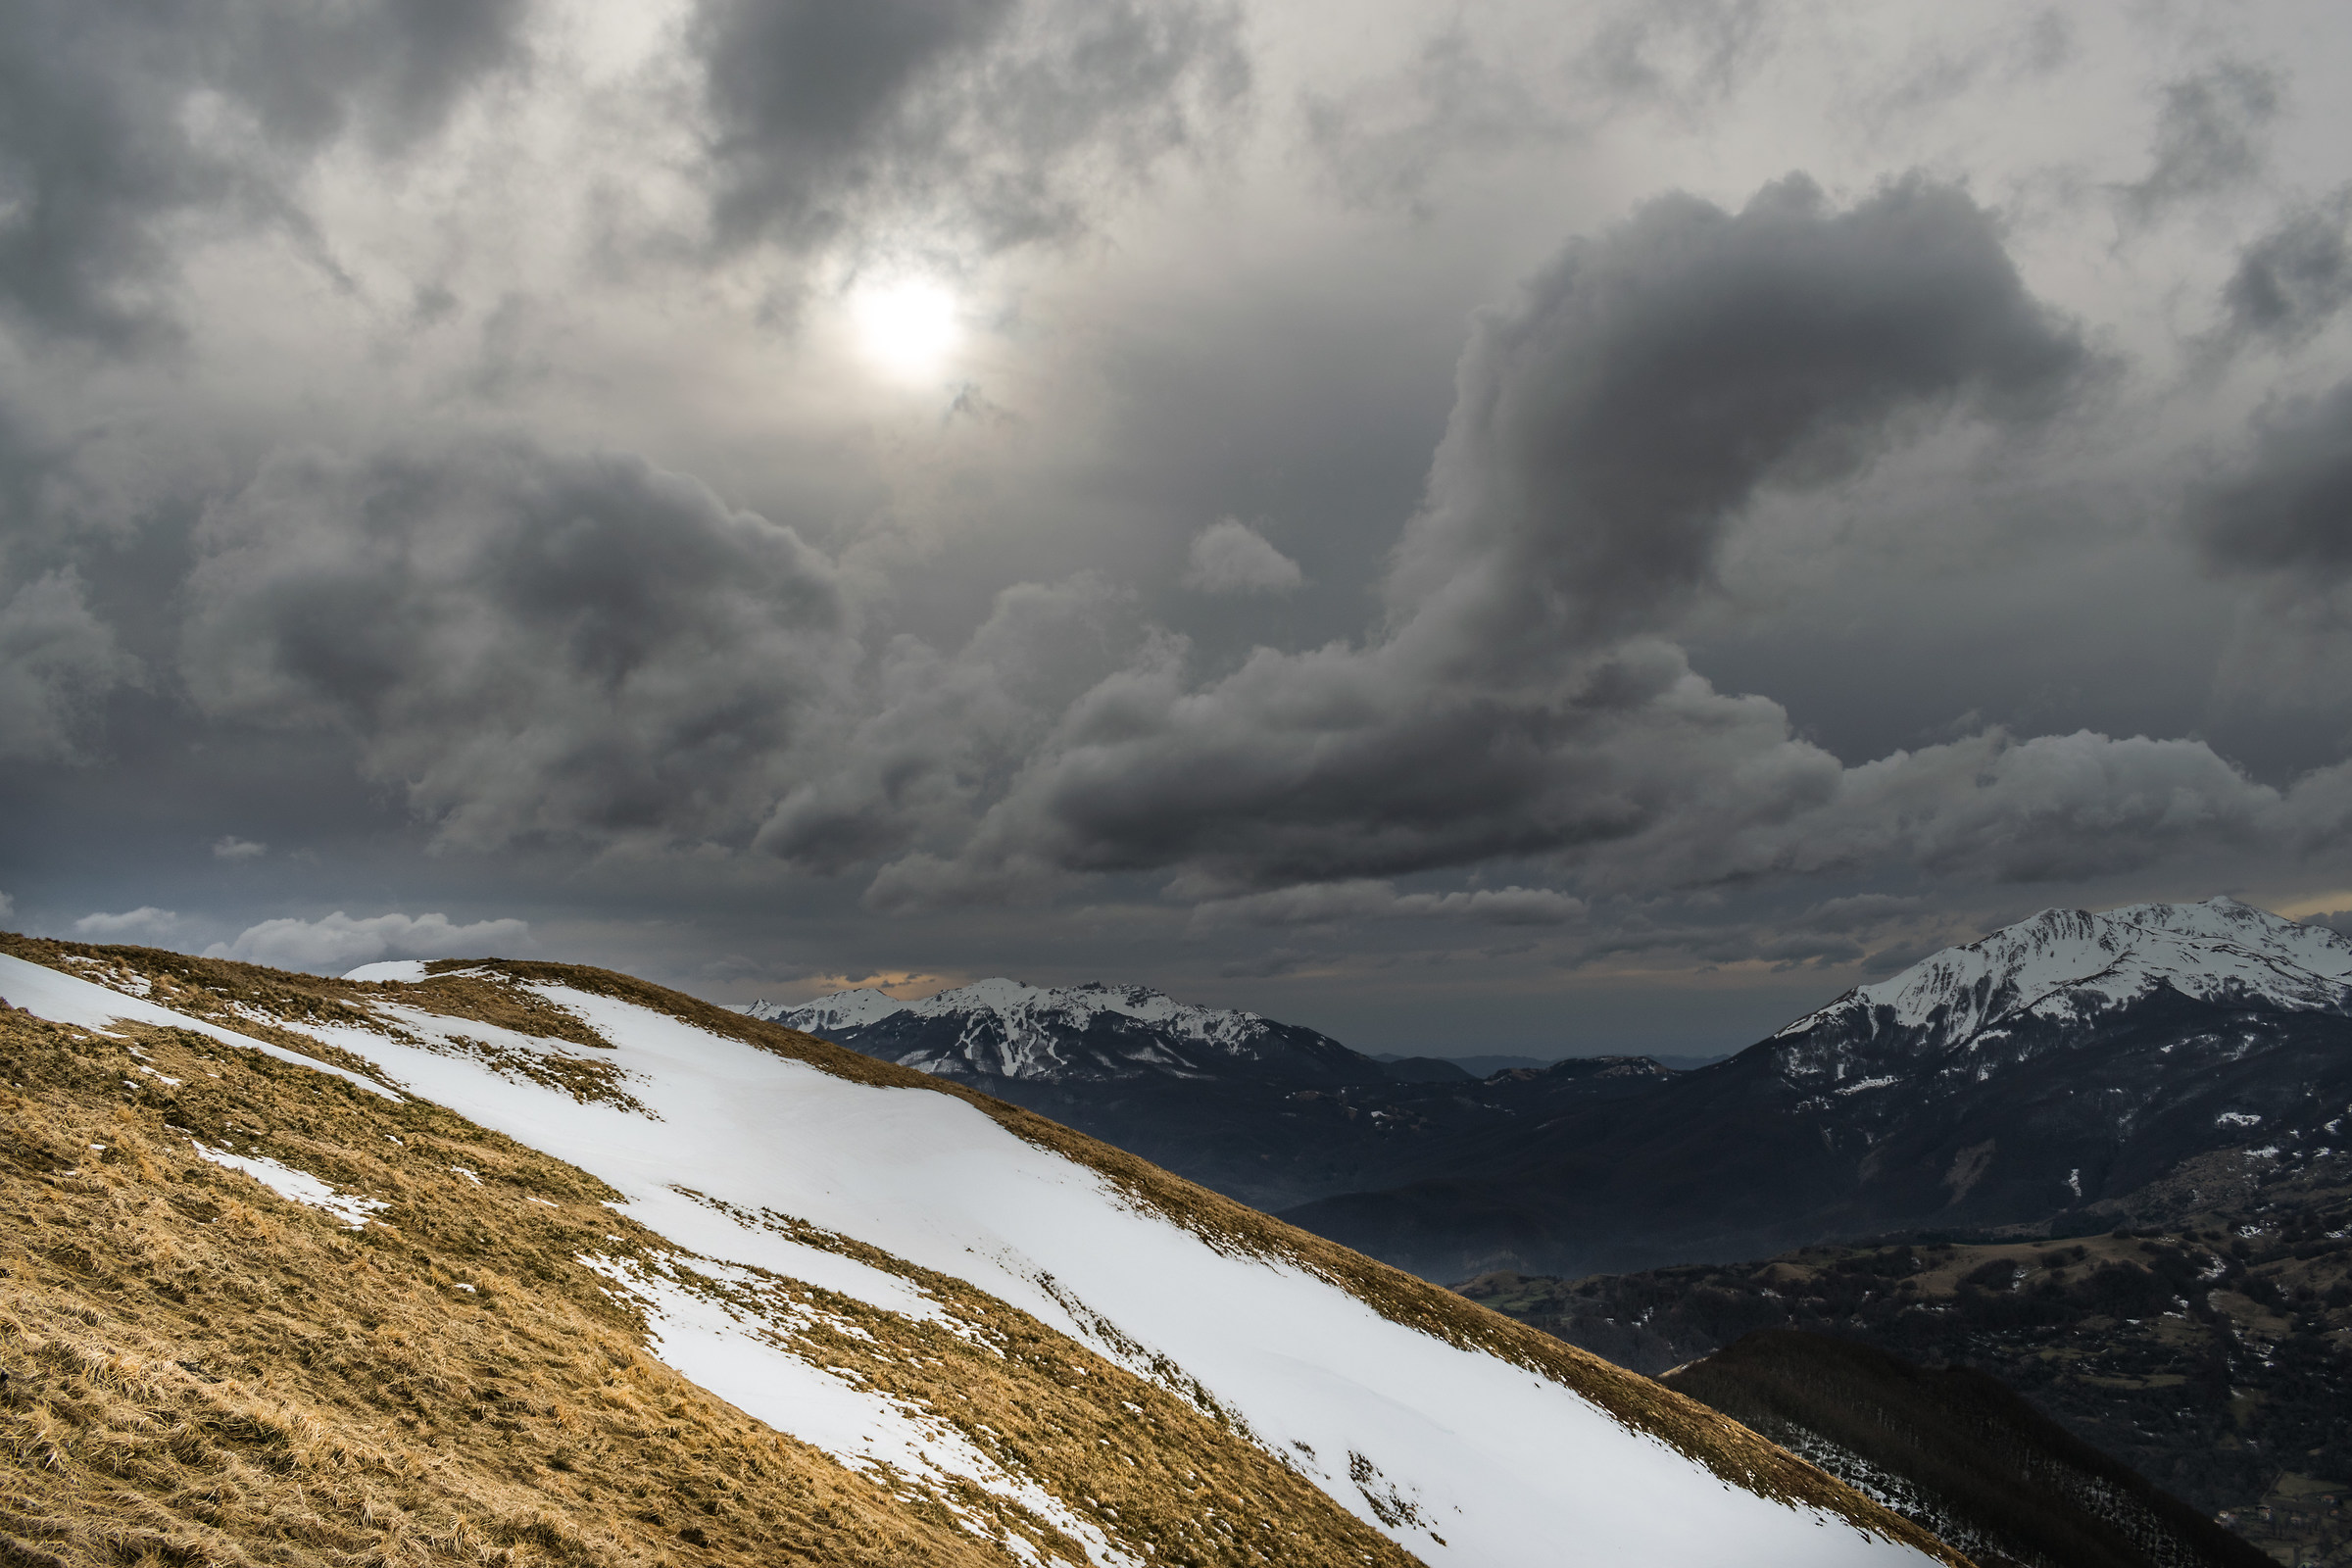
(1052, 1432)
(201, 1371)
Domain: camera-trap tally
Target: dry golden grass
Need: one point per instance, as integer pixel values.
(1056, 1430)
(1727, 1448)
(199, 1371)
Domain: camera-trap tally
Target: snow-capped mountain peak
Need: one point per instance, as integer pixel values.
(843, 1010)
(1004, 1028)
(2068, 965)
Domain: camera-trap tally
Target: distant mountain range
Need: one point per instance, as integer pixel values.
(2038, 1076)
(1003, 1029)
(1272, 1113)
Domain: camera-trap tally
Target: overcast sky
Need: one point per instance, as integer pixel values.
(1474, 528)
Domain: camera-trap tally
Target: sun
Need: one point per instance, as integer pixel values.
(907, 328)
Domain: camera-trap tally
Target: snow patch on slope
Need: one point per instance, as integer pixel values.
(410, 970)
(299, 1186)
(67, 998)
(727, 1349)
(1417, 1437)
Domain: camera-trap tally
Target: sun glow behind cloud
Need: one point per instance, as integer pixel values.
(907, 328)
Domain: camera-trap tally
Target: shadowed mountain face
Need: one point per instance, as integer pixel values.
(2206, 1349)
(2038, 1077)
(1002, 1030)
(1267, 1112)
(1958, 1453)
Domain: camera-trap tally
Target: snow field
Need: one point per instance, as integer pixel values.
(1458, 1456)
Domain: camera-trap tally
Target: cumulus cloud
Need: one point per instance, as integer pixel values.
(941, 735)
(528, 642)
(1229, 557)
(1610, 428)
(1608, 432)
(56, 660)
(146, 923)
(997, 120)
(118, 123)
(2054, 807)
(337, 942)
(231, 848)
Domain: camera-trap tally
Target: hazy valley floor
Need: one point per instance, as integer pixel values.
(2212, 1352)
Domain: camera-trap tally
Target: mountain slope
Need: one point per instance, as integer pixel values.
(2042, 1076)
(1957, 1451)
(994, 1030)
(2068, 965)
(970, 1317)
(1271, 1114)
(2209, 1355)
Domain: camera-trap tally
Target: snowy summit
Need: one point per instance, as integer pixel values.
(2070, 966)
(1004, 1029)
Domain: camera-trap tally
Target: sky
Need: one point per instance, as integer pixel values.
(1470, 526)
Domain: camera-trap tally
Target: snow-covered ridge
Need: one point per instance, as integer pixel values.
(843, 1010)
(1000, 1027)
(1073, 1007)
(1457, 1455)
(2069, 964)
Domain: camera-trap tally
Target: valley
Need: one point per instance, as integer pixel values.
(940, 1258)
(2100, 1159)
(2060, 1072)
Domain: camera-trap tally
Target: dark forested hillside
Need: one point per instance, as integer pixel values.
(1958, 1453)
(2211, 1357)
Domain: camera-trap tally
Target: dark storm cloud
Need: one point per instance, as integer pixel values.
(1366, 899)
(945, 735)
(2211, 135)
(530, 642)
(56, 660)
(116, 120)
(825, 111)
(1607, 432)
(1609, 429)
(2291, 281)
(2287, 507)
